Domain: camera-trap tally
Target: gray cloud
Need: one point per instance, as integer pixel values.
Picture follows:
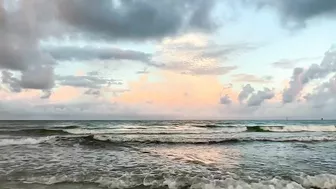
(302, 77)
(92, 92)
(46, 94)
(245, 93)
(258, 98)
(35, 78)
(93, 73)
(302, 11)
(284, 64)
(225, 100)
(216, 51)
(290, 63)
(323, 94)
(92, 53)
(219, 70)
(295, 86)
(20, 30)
(12, 82)
(251, 78)
(134, 19)
(38, 78)
(299, 11)
(144, 71)
(93, 82)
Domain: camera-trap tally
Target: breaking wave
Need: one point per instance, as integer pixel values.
(127, 181)
(174, 140)
(205, 129)
(23, 141)
(194, 129)
(331, 128)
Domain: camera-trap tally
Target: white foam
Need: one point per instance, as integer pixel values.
(212, 139)
(23, 141)
(136, 131)
(47, 180)
(324, 181)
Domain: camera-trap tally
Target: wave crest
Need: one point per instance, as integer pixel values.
(24, 141)
(331, 128)
(174, 140)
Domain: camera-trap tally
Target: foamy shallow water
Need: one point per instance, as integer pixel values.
(155, 155)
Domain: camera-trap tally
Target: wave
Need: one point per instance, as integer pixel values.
(67, 127)
(207, 130)
(162, 140)
(35, 132)
(200, 129)
(331, 128)
(128, 181)
(84, 131)
(23, 141)
(222, 125)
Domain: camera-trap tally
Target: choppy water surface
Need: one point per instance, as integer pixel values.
(167, 154)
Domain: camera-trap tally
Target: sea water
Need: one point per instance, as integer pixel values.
(167, 154)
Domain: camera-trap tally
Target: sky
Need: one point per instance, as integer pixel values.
(167, 59)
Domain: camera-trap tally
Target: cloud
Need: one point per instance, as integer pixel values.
(284, 64)
(299, 12)
(93, 82)
(290, 63)
(220, 70)
(12, 82)
(38, 78)
(251, 78)
(295, 86)
(92, 92)
(144, 71)
(20, 30)
(302, 11)
(302, 77)
(196, 54)
(34, 78)
(324, 94)
(258, 98)
(46, 94)
(93, 73)
(95, 53)
(225, 100)
(245, 93)
(137, 20)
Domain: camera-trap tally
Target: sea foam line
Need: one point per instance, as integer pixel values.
(325, 181)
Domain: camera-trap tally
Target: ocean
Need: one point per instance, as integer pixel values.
(167, 154)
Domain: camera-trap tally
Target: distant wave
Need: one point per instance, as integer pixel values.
(115, 140)
(193, 129)
(331, 128)
(322, 181)
(208, 130)
(67, 127)
(214, 126)
(35, 132)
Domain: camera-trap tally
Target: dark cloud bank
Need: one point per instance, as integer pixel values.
(26, 66)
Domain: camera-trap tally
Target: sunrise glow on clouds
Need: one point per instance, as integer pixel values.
(146, 59)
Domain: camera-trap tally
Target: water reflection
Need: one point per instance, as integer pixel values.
(219, 156)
